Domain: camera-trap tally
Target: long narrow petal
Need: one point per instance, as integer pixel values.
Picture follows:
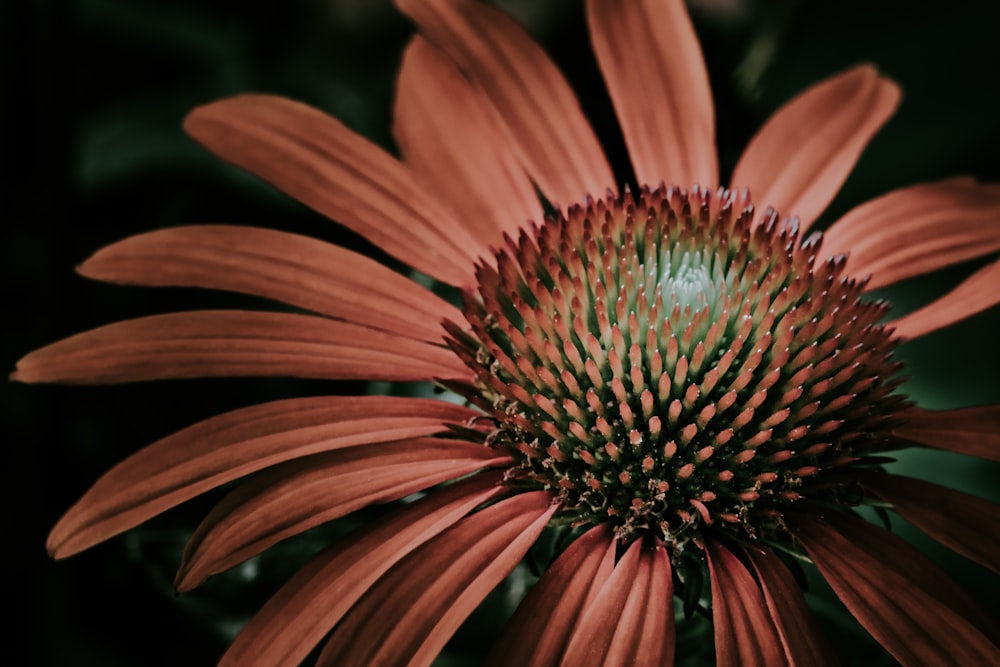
(409, 614)
(905, 601)
(296, 270)
(232, 445)
(654, 70)
(214, 343)
(292, 497)
(802, 639)
(916, 230)
(799, 159)
(326, 166)
(300, 614)
(964, 523)
(970, 431)
(973, 295)
(744, 631)
(537, 634)
(644, 633)
(542, 116)
(450, 135)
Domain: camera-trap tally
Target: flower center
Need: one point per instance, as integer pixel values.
(671, 365)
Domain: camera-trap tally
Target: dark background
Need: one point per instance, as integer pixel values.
(93, 93)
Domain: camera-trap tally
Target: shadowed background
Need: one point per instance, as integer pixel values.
(94, 92)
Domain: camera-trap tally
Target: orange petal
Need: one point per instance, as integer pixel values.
(232, 445)
(916, 230)
(963, 523)
(655, 73)
(970, 431)
(799, 159)
(541, 114)
(449, 133)
(973, 295)
(300, 614)
(537, 634)
(296, 270)
(292, 497)
(905, 601)
(319, 161)
(744, 631)
(213, 343)
(409, 614)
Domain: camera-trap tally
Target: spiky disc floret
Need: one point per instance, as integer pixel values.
(668, 362)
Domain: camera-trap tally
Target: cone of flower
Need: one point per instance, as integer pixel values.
(685, 377)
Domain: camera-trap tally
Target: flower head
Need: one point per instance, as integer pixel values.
(688, 385)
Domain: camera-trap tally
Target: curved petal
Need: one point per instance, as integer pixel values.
(541, 114)
(916, 230)
(409, 614)
(970, 431)
(448, 132)
(292, 497)
(744, 631)
(300, 614)
(293, 269)
(317, 160)
(799, 159)
(803, 641)
(905, 601)
(214, 343)
(963, 523)
(655, 73)
(644, 633)
(232, 445)
(537, 634)
(973, 295)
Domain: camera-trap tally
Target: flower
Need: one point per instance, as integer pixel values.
(687, 386)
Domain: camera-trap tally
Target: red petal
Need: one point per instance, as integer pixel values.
(316, 598)
(214, 343)
(232, 445)
(905, 601)
(654, 70)
(963, 523)
(644, 634)
(409, 614)
(744, 632)
(799, 159)
(292, 497)
(969, 431)
(975, 294)
(449, 133)
(542, 116)
(294, 269)
(537, 634)
(917, 230)
(320, 162)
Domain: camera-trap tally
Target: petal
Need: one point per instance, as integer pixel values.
(644, 634)
(409, 614)
(541, 114)
(799, 159)
(970, 431)
(319, 161)
(292, 497)
(537, 634)
(803, 641)
(964, 523)
(918, 229)
(449, 133)
(232, 445)
(300, 614)
(296, 270)
(905, 601)
(973, 295)
(744, 631)
(214, 343)
(655, 73)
